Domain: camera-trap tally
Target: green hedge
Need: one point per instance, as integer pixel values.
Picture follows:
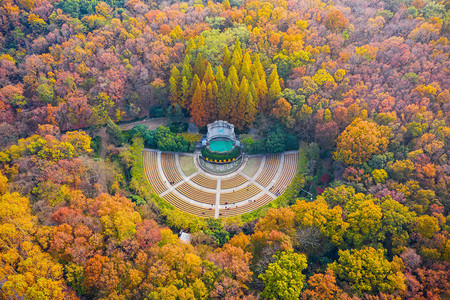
(212, 155)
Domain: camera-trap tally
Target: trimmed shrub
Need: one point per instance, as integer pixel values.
(213, 156)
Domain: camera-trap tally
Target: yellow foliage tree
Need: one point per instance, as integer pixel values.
(360, 141)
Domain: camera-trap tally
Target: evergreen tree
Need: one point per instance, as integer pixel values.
(233, 102)
(237, 56)
(246, 66)
(185, 93)
(215, 90)
(209, 75)
(210, 107)
(274, 89)
(250, 110)
(194, 83)
(246, 111)
(220, 77)
(187, 69)
(199, 66)
(273, 76)
(174, 86)
(201, 41)
(226, 60)
(242, 99)
(222, 94)
(255, 77)
(224, 103)
(257, 66)
(190, 46)
(262, 90)
(232, 75)
(273, 94)
(254, 94)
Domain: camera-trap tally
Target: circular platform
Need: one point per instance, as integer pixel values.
(219, 169)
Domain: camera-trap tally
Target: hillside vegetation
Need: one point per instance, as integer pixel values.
(361, 88)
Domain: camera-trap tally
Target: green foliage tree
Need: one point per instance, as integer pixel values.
(199, 66)
(396, 221)
(274, 89)
(367, 271)
(427, 226)
(283, 279)
(45, 93)
(175, 92)
(168, 141)
(364, 218)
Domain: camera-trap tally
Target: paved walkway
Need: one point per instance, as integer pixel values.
(218, 191)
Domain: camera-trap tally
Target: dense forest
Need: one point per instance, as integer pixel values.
(360, 87)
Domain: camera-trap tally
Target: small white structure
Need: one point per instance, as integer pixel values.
(220, 129)
(185, 237)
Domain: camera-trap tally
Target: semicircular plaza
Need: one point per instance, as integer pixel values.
(178, 179)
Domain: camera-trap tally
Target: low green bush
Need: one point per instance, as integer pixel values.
(212, 155)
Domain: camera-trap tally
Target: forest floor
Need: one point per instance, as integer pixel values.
(150, 123)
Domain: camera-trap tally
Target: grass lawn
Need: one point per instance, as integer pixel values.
(252, 166)
(187, 165)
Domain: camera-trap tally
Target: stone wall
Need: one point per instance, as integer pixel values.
(221, 129)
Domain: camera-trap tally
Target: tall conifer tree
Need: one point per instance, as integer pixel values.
(199, 66)
(198, 112)
(210, 106)
(187, 69)
(242, 99)
(226, 60)
(190, 46)
(194, 83)
(233, 102)
(222, 96)
(262, 90)
(273, 76)
(209, 75)
(274, 89)
(246, 67)
(224, 103)
(174, 82)
(236, 61)
(257, 66)
(254, 94)
(232, 75)
(185, 93)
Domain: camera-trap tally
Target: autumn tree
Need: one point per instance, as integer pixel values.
(367, 271)
(27, 271)
(198, 110)
(360, 141)
(274, 89)
(317, 214)
(175, 91)
(322, 286)
(336, 21)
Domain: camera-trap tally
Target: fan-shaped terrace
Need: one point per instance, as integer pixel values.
(259, 180)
